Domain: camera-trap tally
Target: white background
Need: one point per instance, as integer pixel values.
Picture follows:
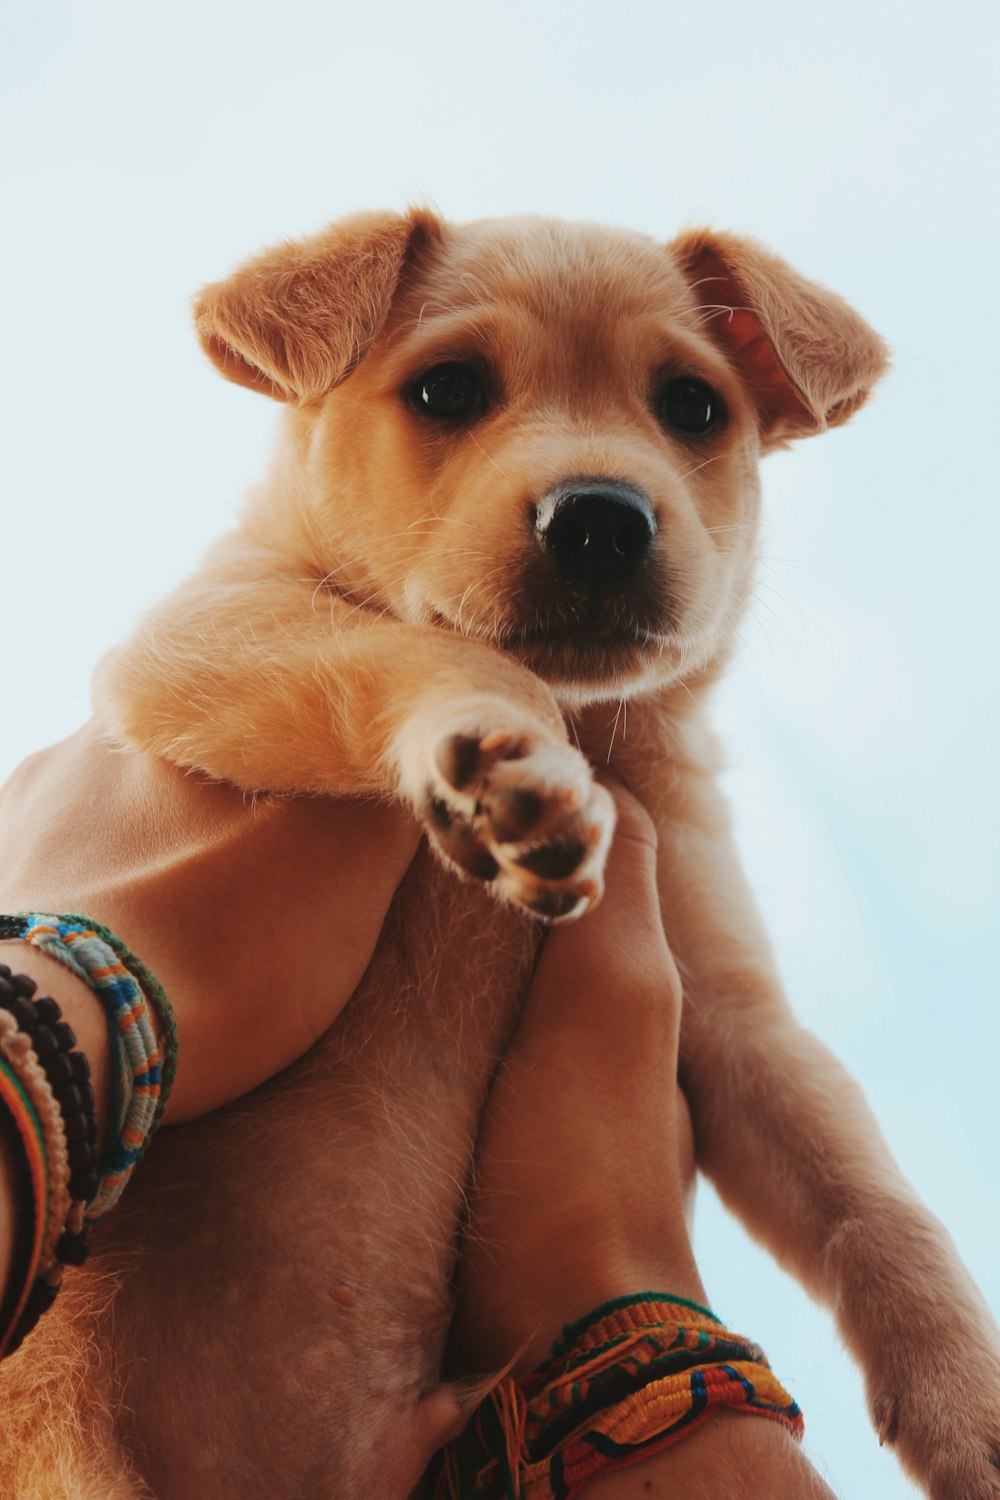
(146, 149)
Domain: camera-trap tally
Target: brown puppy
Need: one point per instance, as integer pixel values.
(516, 486)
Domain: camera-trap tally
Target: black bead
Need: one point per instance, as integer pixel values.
(60, 1070)
(23, 985)
(72, 1249)
(22, 1010)
(44, 1042)
(73, 1097)
(82, 1155)
(64, 1035)
(47, 1010)
(80, 1128)
(81, 1067)
(83, 1185)
(4, 971)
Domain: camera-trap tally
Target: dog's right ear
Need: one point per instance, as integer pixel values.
(808, 359)
(295, 320)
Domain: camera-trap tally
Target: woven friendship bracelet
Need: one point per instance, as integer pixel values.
(631, 1379)
(141, 1028)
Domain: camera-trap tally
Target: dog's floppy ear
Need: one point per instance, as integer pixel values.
(809, 359)
(295, 320)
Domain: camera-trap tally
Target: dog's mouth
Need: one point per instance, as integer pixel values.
(574, 640)
(564, 658)
(566, 644)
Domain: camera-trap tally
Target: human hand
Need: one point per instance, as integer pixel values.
(258, 916)
(584, 1175)
(585, 1161)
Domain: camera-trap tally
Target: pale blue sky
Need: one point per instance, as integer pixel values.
(145, 149)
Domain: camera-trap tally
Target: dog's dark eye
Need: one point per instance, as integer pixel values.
(690, 405)
(451, 390)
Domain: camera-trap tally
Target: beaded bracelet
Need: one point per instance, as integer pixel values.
(50, 1101)
(629, 1380)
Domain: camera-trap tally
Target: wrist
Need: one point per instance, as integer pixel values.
(627, 1380)
(531, 1309)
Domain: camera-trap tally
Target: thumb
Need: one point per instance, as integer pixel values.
(621, 941)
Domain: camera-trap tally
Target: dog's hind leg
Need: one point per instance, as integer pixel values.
(57, 1438)
(786, 1136)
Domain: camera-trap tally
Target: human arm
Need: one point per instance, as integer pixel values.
(584, 1174)
(227, 900)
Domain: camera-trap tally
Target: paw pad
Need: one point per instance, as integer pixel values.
(522, 812)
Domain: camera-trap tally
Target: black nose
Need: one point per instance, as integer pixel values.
(598, 531)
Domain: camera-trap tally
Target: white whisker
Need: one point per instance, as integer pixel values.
(488, 457)
(703, 465)
(622, 709)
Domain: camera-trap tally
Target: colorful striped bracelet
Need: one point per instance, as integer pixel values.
(632, 1378)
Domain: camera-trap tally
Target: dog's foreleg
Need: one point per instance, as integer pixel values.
(254, 676)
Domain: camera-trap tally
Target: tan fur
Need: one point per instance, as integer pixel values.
(385, 593)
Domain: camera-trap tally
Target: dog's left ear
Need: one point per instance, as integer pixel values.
(295, 320)
(808, 359)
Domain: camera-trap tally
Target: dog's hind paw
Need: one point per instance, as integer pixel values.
(506, 802)
(948, 1439)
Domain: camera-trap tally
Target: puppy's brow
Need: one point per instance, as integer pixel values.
(449, 323)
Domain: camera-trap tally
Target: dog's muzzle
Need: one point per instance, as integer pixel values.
(595, 532)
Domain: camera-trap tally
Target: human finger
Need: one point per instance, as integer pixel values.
(612, 970)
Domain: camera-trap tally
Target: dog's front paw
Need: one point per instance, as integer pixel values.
(507, 802)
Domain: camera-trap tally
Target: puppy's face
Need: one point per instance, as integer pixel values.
(544, 450)
(551, 440)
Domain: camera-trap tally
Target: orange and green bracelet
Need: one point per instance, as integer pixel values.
(631, 1379)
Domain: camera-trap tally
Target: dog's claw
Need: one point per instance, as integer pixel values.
(499, 742)
(887, 1418)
